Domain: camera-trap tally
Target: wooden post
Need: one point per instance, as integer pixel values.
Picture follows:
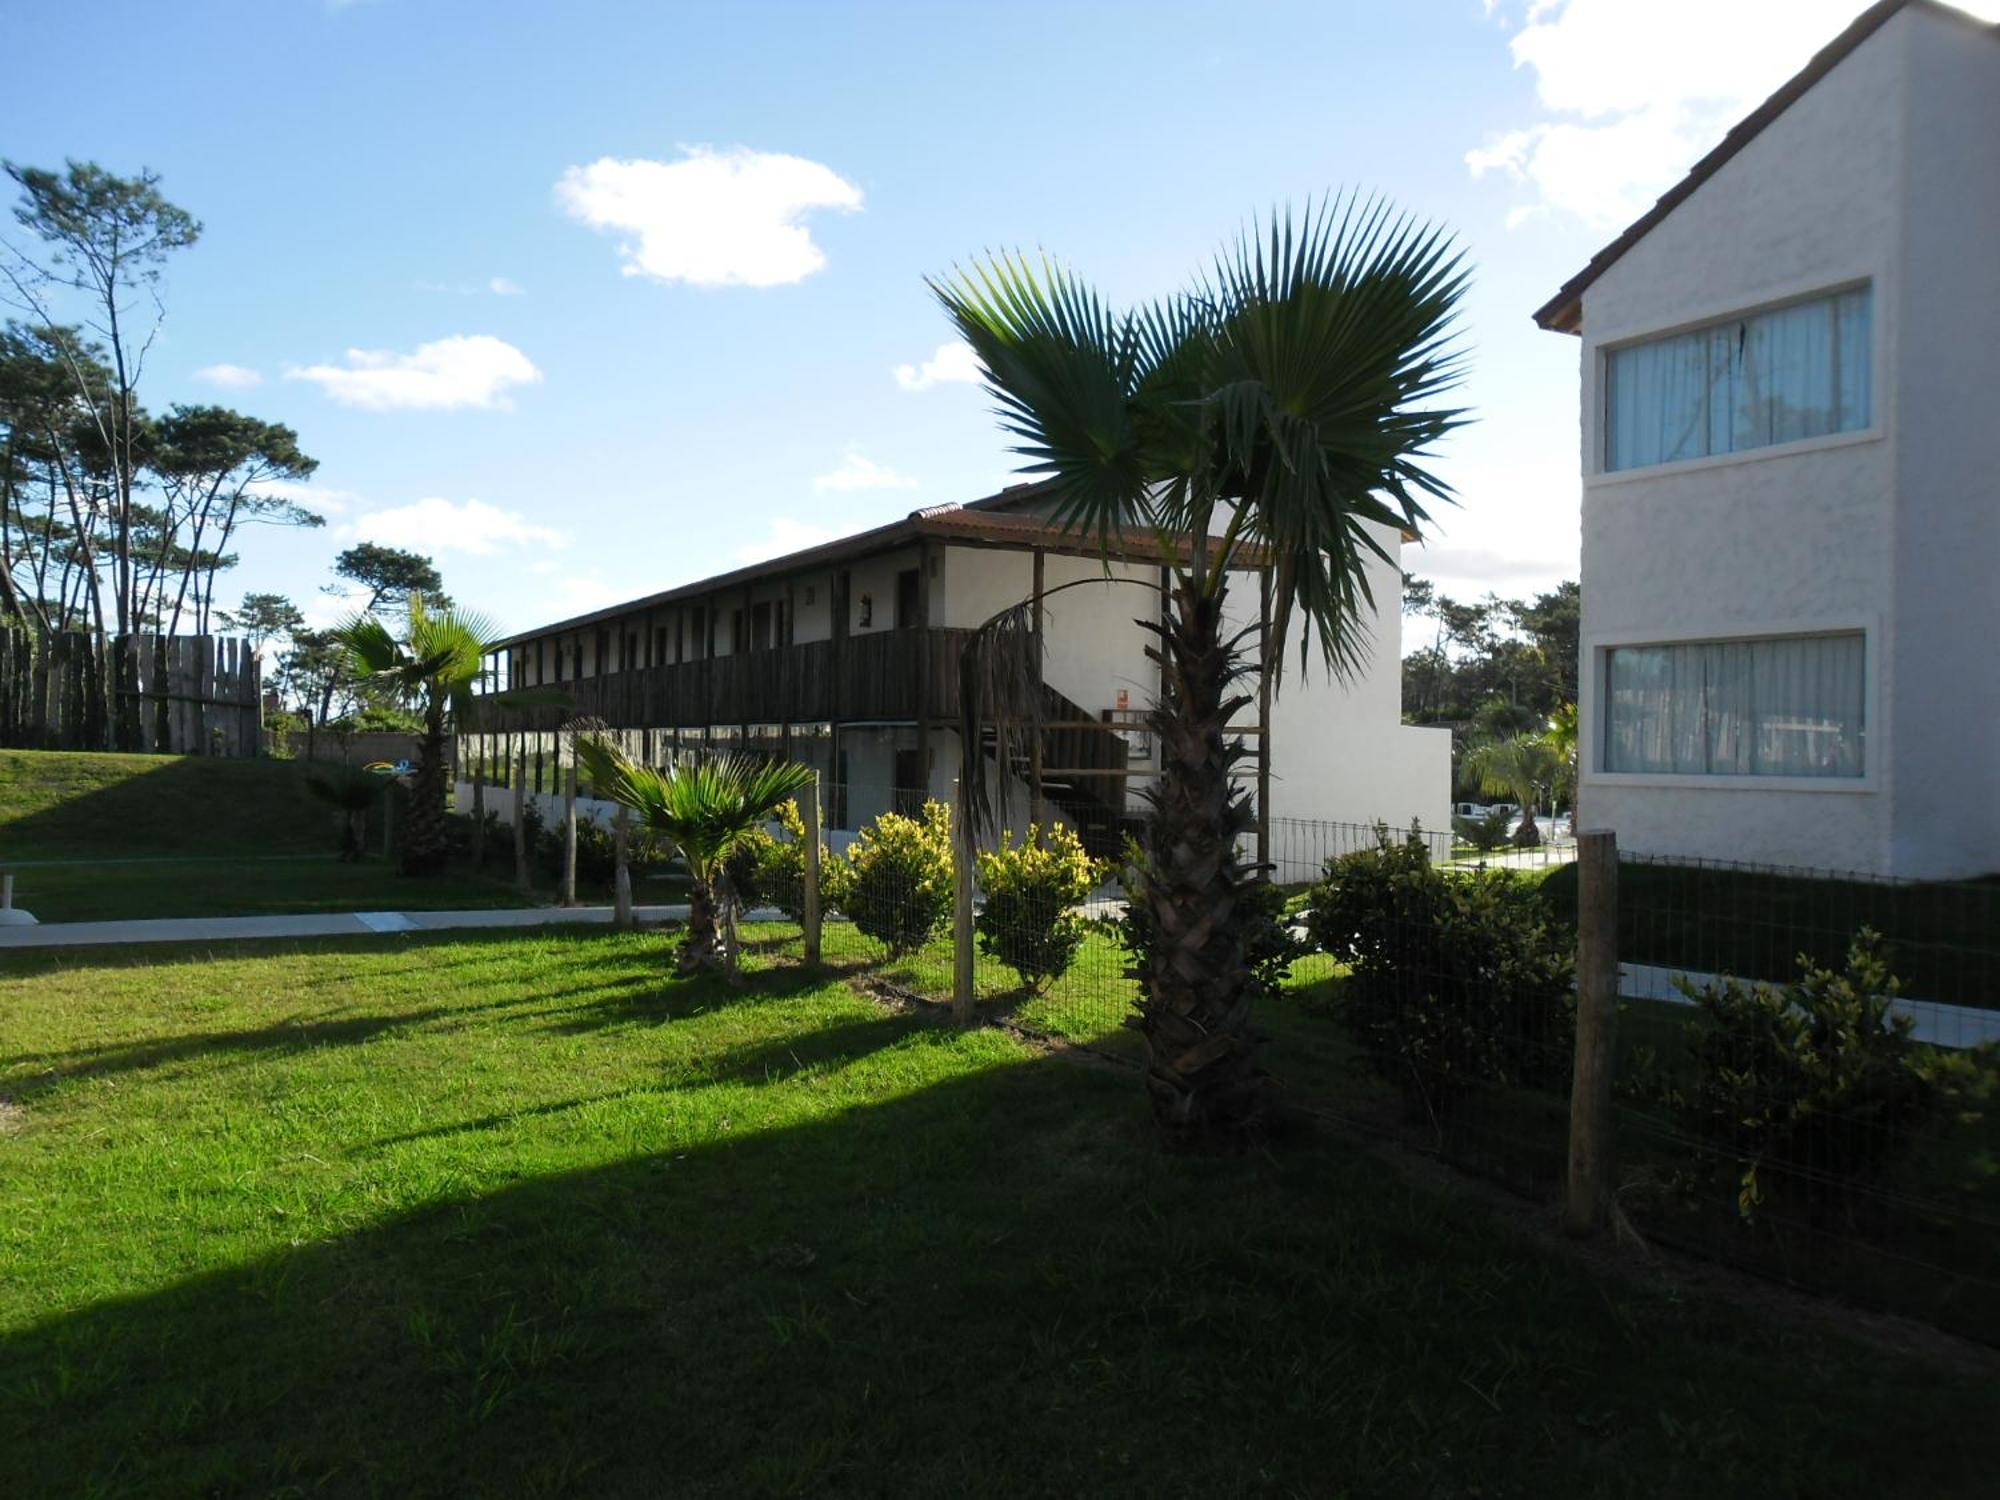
(621, 897)
(961, 909)
(1264, 723)
(809, 907)
(1037, 814)
(1596, 1018)
(521, 880)
(569, 830)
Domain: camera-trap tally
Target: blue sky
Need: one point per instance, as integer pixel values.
(560, 403)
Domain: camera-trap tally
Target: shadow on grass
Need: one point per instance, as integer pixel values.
(992, 1285)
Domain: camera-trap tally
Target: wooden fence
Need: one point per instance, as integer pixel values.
(173, 695)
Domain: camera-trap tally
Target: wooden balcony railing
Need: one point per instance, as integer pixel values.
(889, 674)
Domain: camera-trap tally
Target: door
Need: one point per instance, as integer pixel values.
(909, 790)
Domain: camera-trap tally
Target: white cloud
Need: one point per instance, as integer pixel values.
(464, 370)
(786, 535)
(953, 364)
(573, 594)
(433, 524)
(501, 286)
(1633, 92)
(859, 472)
(713, 218)
(322, 498)
(230, 377)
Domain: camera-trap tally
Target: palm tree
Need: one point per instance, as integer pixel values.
(1560, 735)
(1522, 766)
(705, 805)
(436, 663)
(1278, 412)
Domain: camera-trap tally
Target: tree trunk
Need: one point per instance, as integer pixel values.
(425, 840)
(1201, 1050)
(702, 949)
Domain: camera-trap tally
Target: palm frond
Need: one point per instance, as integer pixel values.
(703, 804)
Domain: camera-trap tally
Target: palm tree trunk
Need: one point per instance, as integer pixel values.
(424, 836)
(702, 948)
(1201, 1051)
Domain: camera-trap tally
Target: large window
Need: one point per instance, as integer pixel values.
(1784, 706)
(1773, 377)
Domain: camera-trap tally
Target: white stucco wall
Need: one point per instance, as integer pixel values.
(1340, 751)
(1782, 539)
(1945, 686)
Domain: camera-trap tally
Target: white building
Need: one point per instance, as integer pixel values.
(847, 655)
(1791, 465)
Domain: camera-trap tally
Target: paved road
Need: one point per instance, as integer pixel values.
(321, 924)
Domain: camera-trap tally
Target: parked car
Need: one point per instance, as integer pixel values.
(1469, 809)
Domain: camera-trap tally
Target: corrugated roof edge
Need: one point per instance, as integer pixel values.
(1563, 313)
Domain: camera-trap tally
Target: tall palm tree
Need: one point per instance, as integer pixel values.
(436, 664)
(1280, 410)
(1522, 766)
(705, 805)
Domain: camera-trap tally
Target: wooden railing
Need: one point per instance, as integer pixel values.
(888, 674)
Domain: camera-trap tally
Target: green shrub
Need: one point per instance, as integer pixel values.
(1819, 1080)
(1455, 980)
(1029, 920)
(1484, 834)
(780, 874)
(895, 883)
(1269, 947)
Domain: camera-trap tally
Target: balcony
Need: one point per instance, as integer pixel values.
(895, 675)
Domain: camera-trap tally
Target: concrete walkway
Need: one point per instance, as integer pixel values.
(325, 924)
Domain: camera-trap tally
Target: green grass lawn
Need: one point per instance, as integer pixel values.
(519, 1215)
(93, 837)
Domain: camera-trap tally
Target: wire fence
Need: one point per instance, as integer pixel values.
(1800, 1065)
(1778, 1100)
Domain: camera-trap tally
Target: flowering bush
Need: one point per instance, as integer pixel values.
(1030, 922)
(895, 883)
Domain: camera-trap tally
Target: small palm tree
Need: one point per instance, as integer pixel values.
(705, 806)
(1522, 766)
(1279, 412)
(436, 664)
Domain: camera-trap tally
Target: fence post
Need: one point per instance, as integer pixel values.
(521, 881)
(961, 909)
(809, 905)
(1596, 1018)
(621, 896)
(569, 829)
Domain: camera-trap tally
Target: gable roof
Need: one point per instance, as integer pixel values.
(1563, 313)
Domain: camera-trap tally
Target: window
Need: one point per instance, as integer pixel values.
(1783, 706)
(1772, 377)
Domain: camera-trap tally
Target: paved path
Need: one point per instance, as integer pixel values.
(322, 924)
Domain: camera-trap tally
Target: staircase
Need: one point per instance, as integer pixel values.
(1093, 805)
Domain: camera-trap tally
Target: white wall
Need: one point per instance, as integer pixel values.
(1945, 688)
(1793, 538)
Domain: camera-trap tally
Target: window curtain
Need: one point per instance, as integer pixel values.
(1789, 706)
(1777, 377)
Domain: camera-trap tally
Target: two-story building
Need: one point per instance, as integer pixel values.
(1791, 474)
(847, 656)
